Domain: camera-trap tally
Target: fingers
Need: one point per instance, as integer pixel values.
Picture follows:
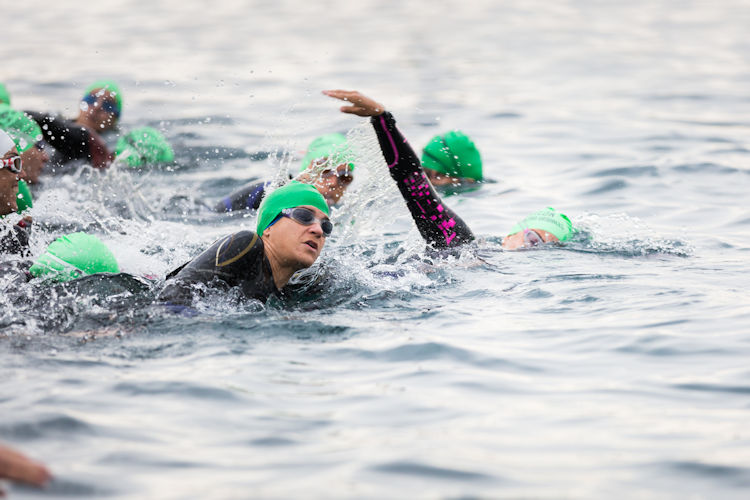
(17, 467)
(361, 105)
(344, 95)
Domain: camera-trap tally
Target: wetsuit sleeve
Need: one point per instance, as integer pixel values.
(237, 260)
(72, 141)
(248, 197)
(437, 223)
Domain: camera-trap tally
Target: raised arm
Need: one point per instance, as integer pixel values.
(437, 223)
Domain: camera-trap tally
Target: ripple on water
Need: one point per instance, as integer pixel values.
(634, 171)
(180, 389)
(608, 187)
(426, 351)
(735, 476)
(430, 472)
(46, 426)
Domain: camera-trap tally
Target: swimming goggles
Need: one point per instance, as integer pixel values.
(14, 164)
(107, 105)
(531, 238)
(306, 217)
(344, 176)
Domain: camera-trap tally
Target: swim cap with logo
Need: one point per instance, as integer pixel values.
(331, 146)
(24, 131)
(24, 200)
(453, 154)
(111, 87)
(73, 256)
(4, 95)
(291, 195)
(548, 219)
(144, 145)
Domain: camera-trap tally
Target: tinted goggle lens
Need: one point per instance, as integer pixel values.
(532, 238)
(343, 175)
(107, 106)
(307, 218)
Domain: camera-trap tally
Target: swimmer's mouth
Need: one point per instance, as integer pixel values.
(312, 244)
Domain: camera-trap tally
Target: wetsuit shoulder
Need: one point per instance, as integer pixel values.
(437, 223)
(237, 260)
(72, 141)
(248, 197)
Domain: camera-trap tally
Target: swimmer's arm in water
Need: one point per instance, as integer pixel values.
(437, 223)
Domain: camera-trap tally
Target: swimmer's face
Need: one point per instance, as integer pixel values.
(332, 182)
(440, 179)
(34, 159)
(295, 244)
(8, 187)
(99, 110)
(528, 238)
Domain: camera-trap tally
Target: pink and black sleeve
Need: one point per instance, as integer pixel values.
(438, 224)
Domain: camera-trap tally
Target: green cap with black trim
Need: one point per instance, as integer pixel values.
(144, 145)
(548, 219)
(332, 146)
(291, 195)
(4, 94)
(24, 131)
(453, 154)
(110, 86)
(24, 201)
(73, 256)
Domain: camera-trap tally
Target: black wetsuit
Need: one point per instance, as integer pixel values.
(239, 259)
(437, 223)
(248, 197)
(71, 142)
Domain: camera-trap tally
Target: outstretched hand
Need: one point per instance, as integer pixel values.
(360, 105)
(17, 467)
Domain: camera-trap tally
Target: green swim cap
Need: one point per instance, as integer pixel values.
(72, 256)
(453, 154)
(144, 145)
(548, 219)
(4, 95)
(20, 127)
(109, 85)
(331, 146)
(24, 200)
(291, 195)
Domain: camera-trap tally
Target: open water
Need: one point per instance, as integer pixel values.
(615, 367)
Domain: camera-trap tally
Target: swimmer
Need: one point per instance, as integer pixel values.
(327, 165)
(438, 224)
(13, 239)
(17, 467)
(80, 139)
(544, 226)
(143, 146)
(27, 136)
(291, 231)
(452, 159)
(293, 224)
